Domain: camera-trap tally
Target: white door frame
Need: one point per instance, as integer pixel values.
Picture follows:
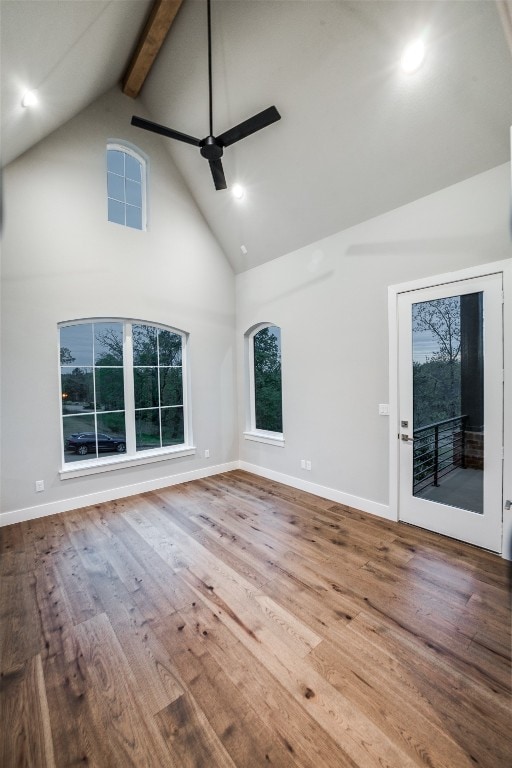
(505, 268)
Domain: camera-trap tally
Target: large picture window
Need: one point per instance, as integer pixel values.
(265, 410)
(122, 389)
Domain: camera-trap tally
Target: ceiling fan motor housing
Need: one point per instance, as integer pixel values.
(211, 149)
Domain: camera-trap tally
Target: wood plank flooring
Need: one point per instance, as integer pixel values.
(235, 623)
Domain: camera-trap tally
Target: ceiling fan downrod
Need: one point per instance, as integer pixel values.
(210, 87)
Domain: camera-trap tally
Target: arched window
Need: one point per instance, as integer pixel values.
(123, 390)
(126, 186)
(264, 392)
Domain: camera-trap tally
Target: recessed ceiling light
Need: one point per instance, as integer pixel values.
(412, 57)
(243, 249)
(237, 191)
(29, 99)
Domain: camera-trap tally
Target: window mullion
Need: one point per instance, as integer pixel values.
(158, 386)
(94, 388)
(129, 397)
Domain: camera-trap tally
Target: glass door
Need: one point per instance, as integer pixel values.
(451, 409)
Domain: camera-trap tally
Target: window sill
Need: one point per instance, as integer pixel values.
(95, 466)
(270, 438)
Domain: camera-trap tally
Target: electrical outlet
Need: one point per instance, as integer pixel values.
(207, 453)
(308, 465)
(39, 486)
(303, 463)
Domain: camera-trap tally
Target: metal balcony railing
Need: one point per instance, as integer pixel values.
(438, 449)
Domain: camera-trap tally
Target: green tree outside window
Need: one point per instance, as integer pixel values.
(267, 379)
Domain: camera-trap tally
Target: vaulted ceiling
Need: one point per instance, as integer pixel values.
(357, 137)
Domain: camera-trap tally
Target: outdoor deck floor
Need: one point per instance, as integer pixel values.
(462, 488)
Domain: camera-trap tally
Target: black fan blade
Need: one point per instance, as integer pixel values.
(218, 174)
(140, 122)
(253, 124)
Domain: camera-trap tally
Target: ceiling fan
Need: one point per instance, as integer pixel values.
(212, 147)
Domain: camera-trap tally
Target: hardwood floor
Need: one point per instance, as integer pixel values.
(237, 622)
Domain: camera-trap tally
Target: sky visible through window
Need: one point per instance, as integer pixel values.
(78, 339)
(446, 315)
(424, 346)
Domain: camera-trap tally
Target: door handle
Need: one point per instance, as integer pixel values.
(406, 438)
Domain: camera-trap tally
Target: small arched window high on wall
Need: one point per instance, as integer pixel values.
(126, 186)
(264, 392)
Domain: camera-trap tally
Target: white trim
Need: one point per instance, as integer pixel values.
(77, 502)
(503, 267)
(187, 388)
(393, 400)
(507, 401)
(357, 502)
(250, 417)
(481, 270)
(260, 436)
(81, 469)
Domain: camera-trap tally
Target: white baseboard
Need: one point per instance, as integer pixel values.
(77, 502)
(365, 505)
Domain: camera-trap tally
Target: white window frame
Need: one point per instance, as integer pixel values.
(251, 432)
(137, 154)
(132, 457)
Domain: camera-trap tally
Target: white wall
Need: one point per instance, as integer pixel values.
(330, 300)
(62, 260)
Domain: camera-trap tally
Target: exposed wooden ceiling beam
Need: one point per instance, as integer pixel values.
(159, 23)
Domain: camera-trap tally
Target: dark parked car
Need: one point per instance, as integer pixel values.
(83, 442)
